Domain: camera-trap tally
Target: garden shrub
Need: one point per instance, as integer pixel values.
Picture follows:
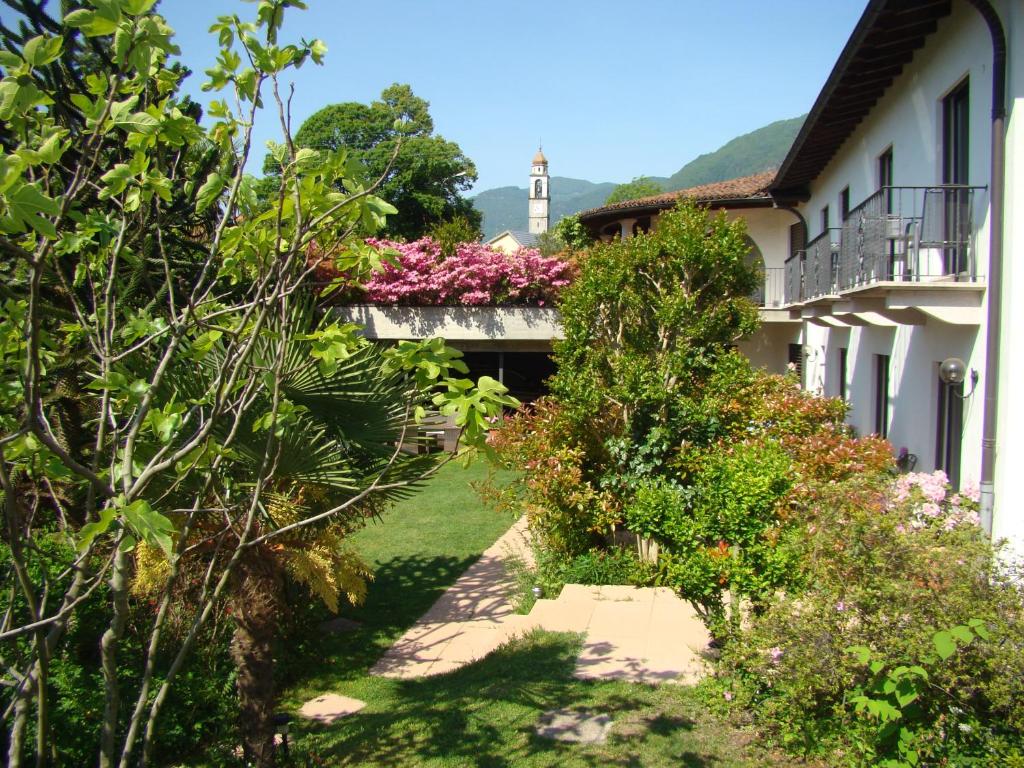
(597, 567)
(564, 505)
(718, 486)
(888, 566)
(645, 321)
(722, 532)
(201, 708)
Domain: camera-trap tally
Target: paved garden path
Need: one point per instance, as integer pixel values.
(644, 635)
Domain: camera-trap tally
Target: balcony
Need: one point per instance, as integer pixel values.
(898, 238)
(771, 293)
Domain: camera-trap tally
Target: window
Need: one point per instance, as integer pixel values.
(882, 395)
(885, 177)
(888, 205)
(797, 238)
(796, 360)
(824, 219)
(949, 424)
(955, 137)
(842, 373)
(844, 203)
(955, 170)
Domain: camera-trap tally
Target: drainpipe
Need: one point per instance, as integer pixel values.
(995, 278)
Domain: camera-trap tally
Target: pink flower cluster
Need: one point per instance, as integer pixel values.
(931, 502)
(475, 275)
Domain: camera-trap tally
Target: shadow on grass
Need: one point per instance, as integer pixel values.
(484, 715)
(402, 590)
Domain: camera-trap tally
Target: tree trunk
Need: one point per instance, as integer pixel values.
(256, 608)
(16, 738)
(109, 644)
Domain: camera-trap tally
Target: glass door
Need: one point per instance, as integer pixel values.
(955, 170)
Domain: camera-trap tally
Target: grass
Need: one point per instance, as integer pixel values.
(482, 714)
(422, 546)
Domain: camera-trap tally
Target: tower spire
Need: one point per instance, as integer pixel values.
(539, 193)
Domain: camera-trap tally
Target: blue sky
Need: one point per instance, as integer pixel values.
(614, 89)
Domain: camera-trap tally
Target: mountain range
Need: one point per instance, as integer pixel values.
(505, 207)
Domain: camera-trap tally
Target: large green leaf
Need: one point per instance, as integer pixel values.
(27, 208)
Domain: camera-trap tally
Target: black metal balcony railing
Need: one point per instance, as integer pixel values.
(794, 280)
(821, 270)
(897, 234)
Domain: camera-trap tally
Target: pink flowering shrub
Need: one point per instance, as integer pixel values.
(931, 502)
(475, 275)
(888, 563)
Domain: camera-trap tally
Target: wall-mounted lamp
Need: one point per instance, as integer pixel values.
(953, 372)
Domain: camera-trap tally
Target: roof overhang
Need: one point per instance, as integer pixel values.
(882, 44)
(599, 217)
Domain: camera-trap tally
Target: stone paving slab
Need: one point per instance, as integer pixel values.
(645, 635)
(561, 616)
(577, 727)
(641, 634)
(330, 707)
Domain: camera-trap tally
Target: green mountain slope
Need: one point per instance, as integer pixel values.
(750, 153)
(505, 207)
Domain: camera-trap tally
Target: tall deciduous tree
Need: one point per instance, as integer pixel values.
(161, 381)
(423, 173)
(641, 186)
(567, 236)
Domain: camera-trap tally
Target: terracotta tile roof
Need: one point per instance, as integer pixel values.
(745, 187)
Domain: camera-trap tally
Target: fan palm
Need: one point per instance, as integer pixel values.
(338, 447)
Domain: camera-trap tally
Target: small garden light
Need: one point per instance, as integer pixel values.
(953, 372)
(537, 592)
(282, 725)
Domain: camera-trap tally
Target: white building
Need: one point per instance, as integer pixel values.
(915, 220)
(511, 240)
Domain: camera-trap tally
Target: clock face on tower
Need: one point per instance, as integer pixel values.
(536, 208)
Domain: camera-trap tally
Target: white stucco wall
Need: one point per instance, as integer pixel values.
(1008, 521)
(908, 119)
(505, 324)
(769, 228)
(505, 243)
(769, 347)
(915, 352)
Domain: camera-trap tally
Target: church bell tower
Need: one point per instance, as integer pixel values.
(539, 196)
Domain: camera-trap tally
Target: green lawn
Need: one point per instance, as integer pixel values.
(423, 544)
(481, 715)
